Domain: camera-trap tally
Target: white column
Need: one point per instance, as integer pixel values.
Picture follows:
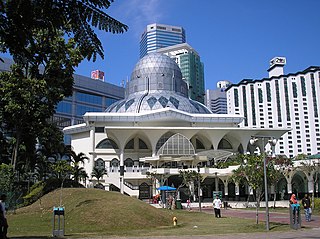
(289, 186)
(310, 186)
(237, 189)
(216, 182)
(93, 147)
(121, 177)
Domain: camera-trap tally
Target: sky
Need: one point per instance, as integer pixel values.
(235, 39)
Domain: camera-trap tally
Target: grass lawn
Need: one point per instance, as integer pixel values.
(91, 213)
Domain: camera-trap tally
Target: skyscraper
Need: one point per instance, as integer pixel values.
(216, 100)
(282, 100)
(191, 67)
(158, 36)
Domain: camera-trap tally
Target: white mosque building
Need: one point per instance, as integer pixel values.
(158, 129)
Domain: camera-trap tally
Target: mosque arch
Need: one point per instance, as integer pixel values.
(299, 183)
(142, 144)
(177, 144)
(163, 139)
(107, 144)
(130, 144)
(224, 144)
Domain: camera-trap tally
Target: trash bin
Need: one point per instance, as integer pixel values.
(58, 222)
(295, 216)
(178, 204)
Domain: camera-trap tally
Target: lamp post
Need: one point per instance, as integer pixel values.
(272, 142)
(199, 190)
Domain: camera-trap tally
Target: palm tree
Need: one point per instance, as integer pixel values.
(76, 159)
(98, 173)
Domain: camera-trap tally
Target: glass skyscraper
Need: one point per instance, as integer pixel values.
(192, 68)
(158, 36)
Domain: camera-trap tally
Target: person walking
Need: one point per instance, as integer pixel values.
(217, 206)
(307, 209)
(188, 204)
(3, 218)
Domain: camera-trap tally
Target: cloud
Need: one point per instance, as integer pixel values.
(137, 14)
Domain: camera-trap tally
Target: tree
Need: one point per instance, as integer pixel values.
(6, 178)
(279, 166)
(62, 169)
(251, 170)
(20, 20)
(98, 173)
(312, 167)
(76, 159)
(188, 177)
(47, 39)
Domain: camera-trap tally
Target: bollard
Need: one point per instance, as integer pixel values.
(175, 221)
(58, 222)
(295, 216)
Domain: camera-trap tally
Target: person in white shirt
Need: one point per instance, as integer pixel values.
(3, 218)
(217, 206)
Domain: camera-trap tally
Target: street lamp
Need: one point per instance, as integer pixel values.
(272, 141)
(199, 190)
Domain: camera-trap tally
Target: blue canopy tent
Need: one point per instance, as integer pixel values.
(166, 188)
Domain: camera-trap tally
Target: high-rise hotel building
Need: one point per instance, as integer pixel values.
(158, 36)
(282, 100)
(192, 68)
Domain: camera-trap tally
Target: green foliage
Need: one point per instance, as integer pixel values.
(98, 173)
(232, 161)
(35, 193)
(42, 188)
(188, 177)
(20, 20)
(6, 178)
(61, 169)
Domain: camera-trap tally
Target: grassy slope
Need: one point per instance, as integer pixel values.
(93, 212)
(90, 210)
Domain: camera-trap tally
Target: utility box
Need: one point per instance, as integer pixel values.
(295, 216)
(58, 222)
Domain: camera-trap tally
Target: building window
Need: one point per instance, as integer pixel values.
(286, 94)
(260, 95)
(294, 90)
(314, 96)
(268, 92)
(253, 105)
(278, 100)
(244, 98)
(236, 97)
(303, 86)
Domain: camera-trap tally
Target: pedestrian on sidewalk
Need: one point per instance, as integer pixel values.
(307, 209)
(217, 206)
(3, 218)
(188, 204)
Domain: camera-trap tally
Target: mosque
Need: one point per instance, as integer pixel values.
(158, 129)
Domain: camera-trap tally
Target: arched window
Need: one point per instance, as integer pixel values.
(163, 139)
(130, 144)
(99, 163)
(142, 144)
(224, 144)
(128, 162)
(114, 162)
(177, 144)
(199, 144)
(107, 144)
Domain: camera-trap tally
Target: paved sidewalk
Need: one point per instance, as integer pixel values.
(273, 216)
